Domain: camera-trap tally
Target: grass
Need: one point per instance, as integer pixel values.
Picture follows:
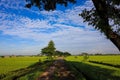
(29, 68)
(14, 63)
(93, 71)
(29, 73)
(78, 76)
(107, 60)
(23, 68)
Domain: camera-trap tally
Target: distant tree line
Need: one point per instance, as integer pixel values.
(84, 53)
(60, 53)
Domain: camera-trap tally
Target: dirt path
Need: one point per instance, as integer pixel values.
(57, 71)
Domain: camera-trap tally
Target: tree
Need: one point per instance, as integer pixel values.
(44, 51)
(60, 53)
(66, 54)
(47, 4)
(105, 16)
(49, 50)
(100, 16)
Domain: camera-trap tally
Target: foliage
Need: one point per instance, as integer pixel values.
(60, 53)
(67, 54)
(105, 16)
(93, 18)
(49, 50)
(47, 4)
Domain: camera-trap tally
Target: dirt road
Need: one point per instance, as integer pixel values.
(57, 71)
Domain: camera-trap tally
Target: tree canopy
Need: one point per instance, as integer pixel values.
(47, 4)
(49, 50)
(104, 16)
(60, 53)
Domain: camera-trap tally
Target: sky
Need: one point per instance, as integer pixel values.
(26, 31)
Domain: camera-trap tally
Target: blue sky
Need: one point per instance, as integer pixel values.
(26, 31)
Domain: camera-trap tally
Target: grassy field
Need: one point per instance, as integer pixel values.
(29, 68)
(22, 68)
(113, 60)
(14, 63)
(96, 71)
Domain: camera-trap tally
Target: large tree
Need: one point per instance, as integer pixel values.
(104, 16)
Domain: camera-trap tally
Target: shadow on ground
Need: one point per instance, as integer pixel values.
(64, 70)
(29, 71)
(91, 72)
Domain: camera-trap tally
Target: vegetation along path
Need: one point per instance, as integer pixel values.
(57, 71)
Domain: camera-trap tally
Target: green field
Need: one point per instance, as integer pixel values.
(29, 68)
(113, 60)
(22, 67)
(14, 63)
(97, 71)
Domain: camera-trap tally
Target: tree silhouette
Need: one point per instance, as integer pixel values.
(47, 4)
(104, 16)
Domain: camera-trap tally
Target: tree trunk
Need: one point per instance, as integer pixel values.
(101, 8)
(115, 38)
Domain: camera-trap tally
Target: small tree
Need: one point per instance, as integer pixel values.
(49, 50)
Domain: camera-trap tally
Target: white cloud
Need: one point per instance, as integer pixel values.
(66, 29)
(69, 16)
(13, 4)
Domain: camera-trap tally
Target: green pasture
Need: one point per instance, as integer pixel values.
(114, 59)
(22, 68)
(13, 63)
(29, 68)
(94, 71)
(111, 59)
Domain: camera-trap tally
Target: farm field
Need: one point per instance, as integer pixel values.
(113, 60)
(24, 68)
(96, 71)
(14, 63)
(29, 68)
